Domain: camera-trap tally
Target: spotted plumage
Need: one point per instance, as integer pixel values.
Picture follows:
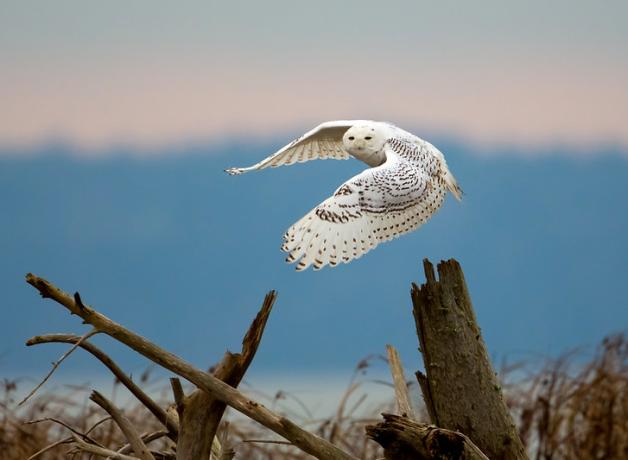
(405, 185)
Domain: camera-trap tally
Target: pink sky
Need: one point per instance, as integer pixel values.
(137, 85)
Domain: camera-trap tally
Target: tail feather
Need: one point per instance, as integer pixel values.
(452, 186)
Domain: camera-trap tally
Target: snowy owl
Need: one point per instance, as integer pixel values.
(405, 184)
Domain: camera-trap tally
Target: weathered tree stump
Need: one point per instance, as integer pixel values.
(460, 387)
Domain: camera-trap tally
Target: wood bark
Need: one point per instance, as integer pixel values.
(405, 439)
(460, 388)
(304, 440)
(201, 412)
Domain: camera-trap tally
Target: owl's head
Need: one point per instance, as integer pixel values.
(365, 142)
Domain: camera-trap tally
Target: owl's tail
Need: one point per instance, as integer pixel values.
(450, 181)
(452, 185)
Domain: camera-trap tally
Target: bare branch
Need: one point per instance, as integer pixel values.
(57, 363)
(68, 439)
(50, 447)
(404, 406)
(267, 441)
(149, 437)
(306, 441)
(161, 415)
(100, 451)
(179, 396)
(65, 425)
(98, 423)
(201, 414)
(125, 425)
(127, 448)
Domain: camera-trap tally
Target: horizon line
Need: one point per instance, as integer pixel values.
(216, 144)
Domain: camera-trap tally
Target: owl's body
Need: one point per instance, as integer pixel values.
(406, 183)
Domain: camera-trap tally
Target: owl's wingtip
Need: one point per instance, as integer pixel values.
(233, 171)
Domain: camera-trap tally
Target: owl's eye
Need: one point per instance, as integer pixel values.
(368, 138)
(351, 138)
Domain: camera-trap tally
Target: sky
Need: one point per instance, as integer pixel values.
(154, 73)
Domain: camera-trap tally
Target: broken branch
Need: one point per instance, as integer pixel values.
(125, 425)
(57, 363)
(306, 441)
(161, 415)
(402, 396)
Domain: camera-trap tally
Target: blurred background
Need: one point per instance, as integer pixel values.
(117, 120)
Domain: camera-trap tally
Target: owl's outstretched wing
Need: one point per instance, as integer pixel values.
(324, 141)
(377, 205)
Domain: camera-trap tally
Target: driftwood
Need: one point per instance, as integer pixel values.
(462, 394)
(168, 421)
(131, 434)
(460, 387)
(81, 445)
(402, 396)
(216, 388)
(404, 439)
(200, 413)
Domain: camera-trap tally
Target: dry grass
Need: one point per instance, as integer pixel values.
(52, 416)
(344, 428)
(567, 409)
(573, 411)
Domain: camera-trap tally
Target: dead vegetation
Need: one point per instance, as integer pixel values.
(569, 408)
(566, 408)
